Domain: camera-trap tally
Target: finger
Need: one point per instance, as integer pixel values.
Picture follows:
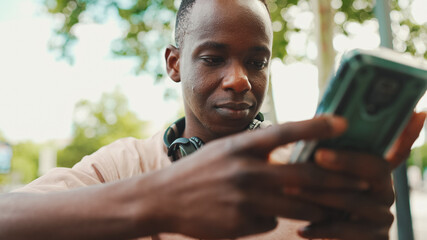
(375, 170)
(357, 205)
(260, 175)
(400, 150)
(274, 203)
(262, 142)
(345, 231)
(310, 176)
(361, 165)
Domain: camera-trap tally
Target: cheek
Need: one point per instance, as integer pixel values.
(260, 87)
(196, 89)
(202, 84)
(197, 92)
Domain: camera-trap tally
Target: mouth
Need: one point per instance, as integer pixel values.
(234, 110)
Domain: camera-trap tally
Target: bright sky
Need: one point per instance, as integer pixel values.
(38, 93)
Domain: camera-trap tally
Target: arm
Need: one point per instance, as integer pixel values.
(107, 211)
(209, 194)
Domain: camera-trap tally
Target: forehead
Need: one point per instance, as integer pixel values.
(245, 21)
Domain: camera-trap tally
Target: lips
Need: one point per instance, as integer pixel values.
(234, 110)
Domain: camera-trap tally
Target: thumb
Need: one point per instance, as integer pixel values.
(263, 141)
(401, 149)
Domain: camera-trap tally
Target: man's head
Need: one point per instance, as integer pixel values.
(182, 18)
(222, 61)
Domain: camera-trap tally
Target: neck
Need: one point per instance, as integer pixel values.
(205, 134)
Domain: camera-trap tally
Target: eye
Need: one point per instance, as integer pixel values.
(258, 65)
(212, 61)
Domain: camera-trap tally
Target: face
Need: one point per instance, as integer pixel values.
(223, 66)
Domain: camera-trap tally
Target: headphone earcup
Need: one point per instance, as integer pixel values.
(182, 147)
(196, 142)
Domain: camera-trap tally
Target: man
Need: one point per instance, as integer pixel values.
(227, 189)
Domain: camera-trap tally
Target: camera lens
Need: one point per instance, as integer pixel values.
(382, 93)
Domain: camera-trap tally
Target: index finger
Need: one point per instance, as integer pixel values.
(263, 141)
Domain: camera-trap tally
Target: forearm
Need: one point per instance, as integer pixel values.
(109, 211)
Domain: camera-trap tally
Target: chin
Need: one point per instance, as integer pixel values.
(231, 128)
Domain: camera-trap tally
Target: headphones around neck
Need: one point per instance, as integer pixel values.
(179, 147)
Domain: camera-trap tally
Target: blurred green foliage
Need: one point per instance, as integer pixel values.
(2, 138)
(24, 163)
(148, 25)
(418, 157)
(25, 160)
(98, 124)
(95, 125)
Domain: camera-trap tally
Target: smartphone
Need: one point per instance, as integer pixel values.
(376, 91)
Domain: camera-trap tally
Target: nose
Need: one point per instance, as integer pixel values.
(236, 79)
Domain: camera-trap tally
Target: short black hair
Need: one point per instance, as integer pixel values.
(182, 17)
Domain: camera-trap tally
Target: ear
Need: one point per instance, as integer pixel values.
(172, 63)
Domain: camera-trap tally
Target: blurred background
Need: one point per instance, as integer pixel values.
(78, 74)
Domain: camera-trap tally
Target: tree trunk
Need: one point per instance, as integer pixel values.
(268, 107)
(324, 34)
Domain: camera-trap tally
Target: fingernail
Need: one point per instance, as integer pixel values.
(339, 124)
(362, 185)
(325, 157)
(292, 190)
(305, 231)
(422, 117)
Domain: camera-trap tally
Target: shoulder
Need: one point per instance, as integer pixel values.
(121, 159)
(127, 157)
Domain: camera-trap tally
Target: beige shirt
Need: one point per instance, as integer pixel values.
(126, 158)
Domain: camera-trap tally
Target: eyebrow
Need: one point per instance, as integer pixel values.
(211, 44)
(222, 46)
(262, 49)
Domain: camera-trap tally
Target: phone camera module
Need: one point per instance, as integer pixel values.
(381, 94)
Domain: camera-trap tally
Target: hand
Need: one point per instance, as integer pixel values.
(401, 149)
(227, 189)
(370, 217)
